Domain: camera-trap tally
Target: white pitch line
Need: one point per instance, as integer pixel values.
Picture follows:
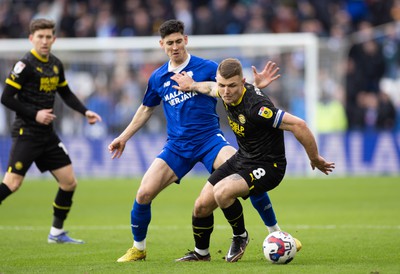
(220, 227)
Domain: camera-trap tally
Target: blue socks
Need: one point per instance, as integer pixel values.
(263, 205)
(140, 220)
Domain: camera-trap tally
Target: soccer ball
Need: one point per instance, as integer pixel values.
(279, 247)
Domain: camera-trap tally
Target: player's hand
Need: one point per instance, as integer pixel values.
(116, 148)
(321, 164)
(45, 116)
(266, 76)
(184, 81)
(92, 117)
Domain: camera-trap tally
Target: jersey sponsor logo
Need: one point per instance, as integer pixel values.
(236, 128)
(19, 67)
(177, 97)
(49, 84)
(39, 69)
(265, 112)
(242, 119)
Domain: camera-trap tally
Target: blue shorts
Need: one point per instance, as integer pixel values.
(204, 152)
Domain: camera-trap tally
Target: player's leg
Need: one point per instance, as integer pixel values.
(62, 205)
(223, 155)
(226, 192)
(213, 153)
(202, 225)
(262, 203)
(10, 184)
(18, 164)
(157, 177)
(54, 158)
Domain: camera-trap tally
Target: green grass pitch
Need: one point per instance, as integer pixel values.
(346, 225)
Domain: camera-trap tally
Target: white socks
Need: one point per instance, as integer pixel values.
(140, 245)
(273, 228)
(202, 252)
(56, 231)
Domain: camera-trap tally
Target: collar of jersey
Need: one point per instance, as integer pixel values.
(180, 67)
(34, 52)
(240, 99)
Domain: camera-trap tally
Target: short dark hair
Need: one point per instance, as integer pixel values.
(171, 26)
(41, 23)
(229, 68)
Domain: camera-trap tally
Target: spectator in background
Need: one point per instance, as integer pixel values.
(257, 22)
(85, 26)
(330, 112)
(368, 58)
(221, 11)
(331, 115)
(204, 21)
(330, 18)
(105, 22)
(101, 101)
(391, 52)
(284, 20)
(51, 10)
(378, 111)
(137, 23)
(183, 12)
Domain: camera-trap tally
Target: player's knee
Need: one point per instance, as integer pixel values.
(144, 196)
(13, 181)
(68, 184)
(221, 195)
(14, 185)
(203, 207)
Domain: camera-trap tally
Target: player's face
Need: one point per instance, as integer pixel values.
(174, 46)
(42, 41)
(230, 89)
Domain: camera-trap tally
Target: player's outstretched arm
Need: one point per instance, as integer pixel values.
(142, 115)
(186, 83)
(304, 135)
(266, 76)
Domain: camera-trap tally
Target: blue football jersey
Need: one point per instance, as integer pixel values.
(191, 116)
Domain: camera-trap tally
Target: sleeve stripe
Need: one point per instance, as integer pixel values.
(12, 83)
(278, 118)
(63, 84)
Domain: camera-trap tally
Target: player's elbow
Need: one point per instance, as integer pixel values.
(6, 98)
(301, 124)
(299, 128)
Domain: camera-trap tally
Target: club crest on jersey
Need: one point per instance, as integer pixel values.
(19, 67)
(55, 69)
(167, 84)
(265, 112)
(242, 119)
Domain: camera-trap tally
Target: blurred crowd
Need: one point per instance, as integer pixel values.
(370, 97)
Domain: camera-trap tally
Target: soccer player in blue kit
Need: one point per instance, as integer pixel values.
(193, 130)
